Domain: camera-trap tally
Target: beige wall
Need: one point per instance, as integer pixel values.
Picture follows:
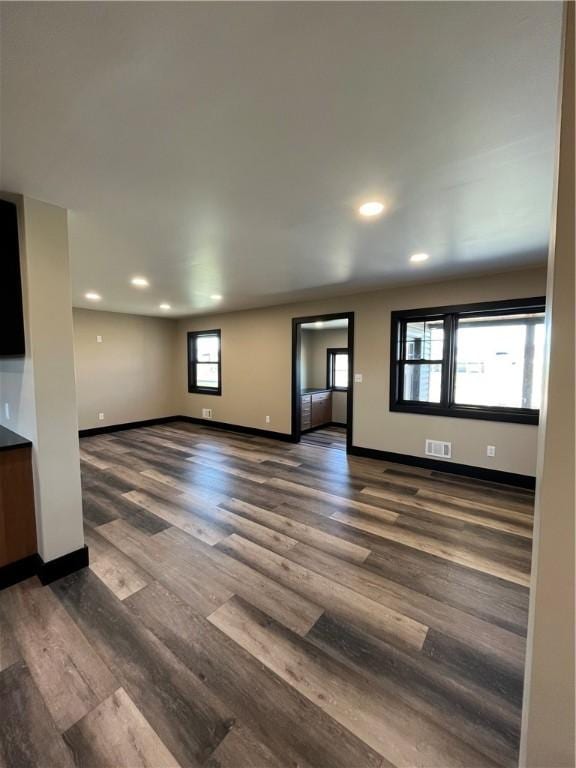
(549, 712)
(129, 375)
(39, 389)
(339, 407)
(256, 371)
(314, 346)
(138, 372)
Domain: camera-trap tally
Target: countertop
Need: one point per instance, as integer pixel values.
(313, 390)
(10, 440)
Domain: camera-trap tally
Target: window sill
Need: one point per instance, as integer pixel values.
(470, 412)
(200, 391)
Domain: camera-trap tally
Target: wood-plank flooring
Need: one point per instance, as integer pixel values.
(326, 437)
(255, 604)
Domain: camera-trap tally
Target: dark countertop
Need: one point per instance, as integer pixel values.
(10, 440)
(313, 390)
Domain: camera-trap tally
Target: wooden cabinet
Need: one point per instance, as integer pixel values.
(17, 519)
(306, 412)
(321, 408)
(315, 409)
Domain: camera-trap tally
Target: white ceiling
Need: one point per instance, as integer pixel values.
(222, 148)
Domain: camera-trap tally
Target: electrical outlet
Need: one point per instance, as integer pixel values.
(206, 413)
(490, 450)
(99, 339)
(358, 378)
(7, 411)
(267, 419)
(101, 417)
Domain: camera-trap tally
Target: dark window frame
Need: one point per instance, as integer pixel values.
(450, 315)
(331, 353)
(193, 388)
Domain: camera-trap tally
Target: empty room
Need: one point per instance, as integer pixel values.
(287, 388)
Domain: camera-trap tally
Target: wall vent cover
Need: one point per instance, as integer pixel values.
(438, 448)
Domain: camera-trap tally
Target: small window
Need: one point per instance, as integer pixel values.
(204, 362)
(337, 369)
(481, 361)
(422, 355)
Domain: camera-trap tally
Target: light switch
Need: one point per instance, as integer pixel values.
(99, 339)
(358, 378)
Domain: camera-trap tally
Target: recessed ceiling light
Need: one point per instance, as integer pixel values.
(371, 209)
(165, 306)
(140, 282)
(419, 257)
(216, 297)
(92, 296)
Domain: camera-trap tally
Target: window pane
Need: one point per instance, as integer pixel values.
(499, 361)
(422, 382)
(207, 349)
(207, 375)
(340, 371)
(424, 340)
(538, 371)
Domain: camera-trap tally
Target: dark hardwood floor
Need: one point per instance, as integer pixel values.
(255, 604)
(327, 437)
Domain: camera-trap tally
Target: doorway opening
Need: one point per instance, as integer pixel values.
(323, 380)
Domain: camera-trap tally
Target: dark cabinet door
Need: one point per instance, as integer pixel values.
(17, 518)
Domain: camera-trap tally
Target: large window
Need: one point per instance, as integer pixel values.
(204, 363)
(482, 361)
(337, 368)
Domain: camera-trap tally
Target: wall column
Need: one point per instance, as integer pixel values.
(548, 715)
(37, 392)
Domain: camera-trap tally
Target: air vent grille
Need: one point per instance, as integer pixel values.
(438, 448)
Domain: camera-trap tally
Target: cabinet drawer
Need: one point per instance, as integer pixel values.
(320, 397)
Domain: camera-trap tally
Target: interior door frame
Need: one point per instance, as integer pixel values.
(297, 323)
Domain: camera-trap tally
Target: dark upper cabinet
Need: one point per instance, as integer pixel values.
(11, 314)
